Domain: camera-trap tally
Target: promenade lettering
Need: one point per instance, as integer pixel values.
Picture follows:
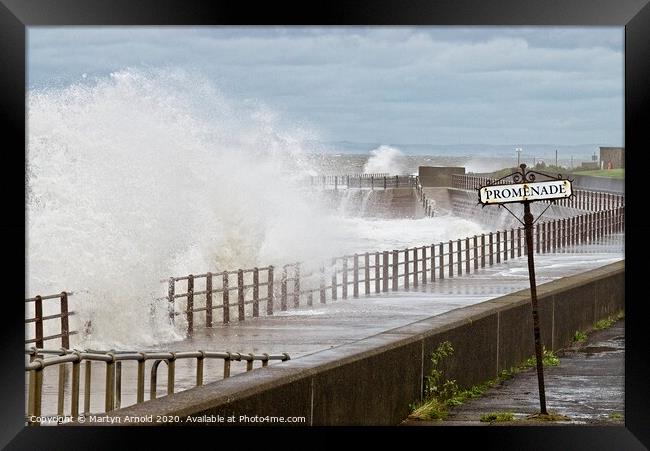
(521, 192)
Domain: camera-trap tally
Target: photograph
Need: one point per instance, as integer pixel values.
(324, 225)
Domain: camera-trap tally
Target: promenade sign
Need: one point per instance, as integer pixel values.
(524, 189)
(522, 192)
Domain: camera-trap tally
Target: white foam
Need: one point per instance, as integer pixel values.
(149, 174)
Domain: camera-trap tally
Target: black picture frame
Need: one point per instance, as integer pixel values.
(16, 15)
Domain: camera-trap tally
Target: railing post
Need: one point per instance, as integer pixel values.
(366, 271)
(110, 385)
(140, 383)
(512, 243)
(226, 366)
(283, 290)
(406, 268)
(498, 247)
(433, 263)
(519, 242)
(60, 398)
(424, 265)
(467, 264)
(475, 242)
(377, 273)
(296, 285)
(199, 369)
(491, 256)
(384, 271)
(208, 300)
(87, 381)
(441, 261)
(171, 298)
(355, 275)
(189, 308)
(269, 292)
(256, 292)
(65, 329)
(74, 401)
(226, 298)
(38, 325)
(118, 385)
(395, 270)
(537, 237)
(240, 295)
(482, 250)
(459, 257)
(171, 374)
(344, 274)
(549, 238)
(384, 182)
(335, 287)
(322, 285)
(415, 267)
(451, 259)
(37, 394)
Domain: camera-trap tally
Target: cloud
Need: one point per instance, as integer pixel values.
(388, 84)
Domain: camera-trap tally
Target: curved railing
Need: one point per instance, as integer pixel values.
(113, 374)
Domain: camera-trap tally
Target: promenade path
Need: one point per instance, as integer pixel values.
(587, 388)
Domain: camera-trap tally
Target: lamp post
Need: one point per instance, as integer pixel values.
(518, 150)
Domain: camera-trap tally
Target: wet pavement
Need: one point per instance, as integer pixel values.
(587, 387)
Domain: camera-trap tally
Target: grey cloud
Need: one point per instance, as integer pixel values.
(393, 84)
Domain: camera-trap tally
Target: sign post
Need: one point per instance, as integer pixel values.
(526, 190)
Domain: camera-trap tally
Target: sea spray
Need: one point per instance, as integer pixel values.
(143, 175)
(386, 160)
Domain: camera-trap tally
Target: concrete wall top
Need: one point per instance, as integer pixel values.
(438, 175)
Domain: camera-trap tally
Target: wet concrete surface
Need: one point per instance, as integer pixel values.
(587, 388)
(307, 330)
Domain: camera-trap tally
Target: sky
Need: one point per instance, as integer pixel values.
(415, 85)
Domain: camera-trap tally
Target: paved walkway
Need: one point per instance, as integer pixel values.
(587, 387)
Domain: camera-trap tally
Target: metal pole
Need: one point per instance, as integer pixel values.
(528, 229)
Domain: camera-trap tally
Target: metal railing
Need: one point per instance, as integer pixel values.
(372, 181)
(427, 204)
(113, 374)
(246, 289)
(38, 319)
(581, 199)
(300, 284)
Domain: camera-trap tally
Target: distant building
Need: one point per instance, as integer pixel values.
(612, 157)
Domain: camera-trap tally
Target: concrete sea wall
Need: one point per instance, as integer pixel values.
(373, 381)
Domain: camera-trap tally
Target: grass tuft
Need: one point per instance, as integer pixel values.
(579, 336)
(551, 416)
(497, 417)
